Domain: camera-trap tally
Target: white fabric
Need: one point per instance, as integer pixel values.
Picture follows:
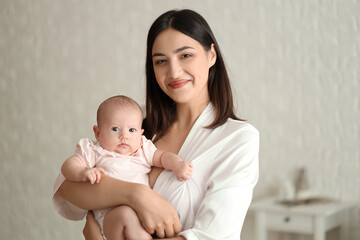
(213, 204)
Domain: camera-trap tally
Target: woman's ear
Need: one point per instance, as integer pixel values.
(96, 132)
(212, 55)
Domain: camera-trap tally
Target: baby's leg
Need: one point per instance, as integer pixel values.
(122, 223)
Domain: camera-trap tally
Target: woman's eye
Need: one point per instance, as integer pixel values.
(160, 61)
(115, 129)
(186, 55)
(132, 130)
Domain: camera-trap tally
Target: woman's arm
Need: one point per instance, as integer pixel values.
(108, 193)
(155, 213)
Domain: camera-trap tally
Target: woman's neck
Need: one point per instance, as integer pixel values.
(187, 114)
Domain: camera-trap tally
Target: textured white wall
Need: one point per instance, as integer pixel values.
(294, 67)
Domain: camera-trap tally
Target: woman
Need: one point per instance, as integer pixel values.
(190, 112)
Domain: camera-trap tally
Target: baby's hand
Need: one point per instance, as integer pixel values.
(183, 170)
(93, 175)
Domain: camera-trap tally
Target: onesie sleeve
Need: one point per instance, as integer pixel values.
(63, 207)
(85, 151)
(149, 149)
(222, 212)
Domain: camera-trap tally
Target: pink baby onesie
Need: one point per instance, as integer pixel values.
(132, 168)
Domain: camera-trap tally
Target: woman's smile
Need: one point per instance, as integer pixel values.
(178, 83)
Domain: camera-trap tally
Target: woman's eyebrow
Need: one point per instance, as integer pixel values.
(158, 55)
(176, 51)
(182, 49)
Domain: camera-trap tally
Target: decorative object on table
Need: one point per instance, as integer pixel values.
(299, 193)
(302, 187)
(287, 191)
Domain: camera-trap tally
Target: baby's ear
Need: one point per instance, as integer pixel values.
(142, 131)
(96, 132)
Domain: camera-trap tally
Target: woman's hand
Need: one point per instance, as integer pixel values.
(155, 213)
(92, 229)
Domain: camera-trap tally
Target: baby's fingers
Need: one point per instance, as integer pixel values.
(187, 176)
(184, 177)
(91, 176)
(97, 176)
(102, 171)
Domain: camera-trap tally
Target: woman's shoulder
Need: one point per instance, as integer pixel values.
(240, 127)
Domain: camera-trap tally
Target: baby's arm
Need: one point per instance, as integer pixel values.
(74, 169)
(173, 162)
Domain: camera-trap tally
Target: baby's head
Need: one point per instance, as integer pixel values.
(119, 121)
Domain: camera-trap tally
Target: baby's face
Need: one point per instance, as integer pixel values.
(120, 131)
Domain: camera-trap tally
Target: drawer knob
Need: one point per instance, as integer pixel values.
(287, 219)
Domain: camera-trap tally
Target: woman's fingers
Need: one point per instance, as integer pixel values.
(169, 231)
(162, 235)
(156, 214)
(177, 226)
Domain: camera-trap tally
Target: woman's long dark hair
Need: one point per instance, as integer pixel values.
(160, 108)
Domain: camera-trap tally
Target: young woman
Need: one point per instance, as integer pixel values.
(190, 112)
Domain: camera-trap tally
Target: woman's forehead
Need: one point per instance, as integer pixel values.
(173, 41)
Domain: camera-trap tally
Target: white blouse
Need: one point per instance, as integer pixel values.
(213, 204)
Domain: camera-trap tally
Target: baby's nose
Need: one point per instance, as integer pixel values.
(123, 134)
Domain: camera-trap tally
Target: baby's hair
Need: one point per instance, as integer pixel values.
(119, 101)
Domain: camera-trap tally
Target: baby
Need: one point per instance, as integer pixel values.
(122, 152)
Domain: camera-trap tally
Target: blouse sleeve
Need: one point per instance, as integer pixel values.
(222, 212)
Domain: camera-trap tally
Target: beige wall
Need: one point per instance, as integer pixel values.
(294, 66)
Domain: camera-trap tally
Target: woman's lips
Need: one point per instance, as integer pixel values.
(178, 83)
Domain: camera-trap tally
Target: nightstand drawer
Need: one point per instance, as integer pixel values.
(289, 222)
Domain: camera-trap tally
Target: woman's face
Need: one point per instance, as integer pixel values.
(181, 67)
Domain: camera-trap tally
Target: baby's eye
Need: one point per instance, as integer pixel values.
(132, 130)
(115, 129)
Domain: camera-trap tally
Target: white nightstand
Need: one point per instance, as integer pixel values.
(315, 219)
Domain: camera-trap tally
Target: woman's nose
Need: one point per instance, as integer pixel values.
(175, 69)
